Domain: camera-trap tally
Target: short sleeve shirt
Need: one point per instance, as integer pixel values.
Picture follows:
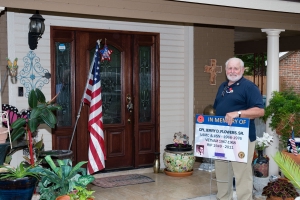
(241, 95)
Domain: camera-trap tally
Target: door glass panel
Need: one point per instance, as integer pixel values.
(63, 84)
(110, 75)
(145, 83)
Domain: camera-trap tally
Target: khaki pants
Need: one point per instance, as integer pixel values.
(243, 177)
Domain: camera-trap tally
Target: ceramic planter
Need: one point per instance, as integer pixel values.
(22, 188)
(179, 161)
(55, 155)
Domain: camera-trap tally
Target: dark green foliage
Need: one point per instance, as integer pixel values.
(62, 179)
(249, 62)
(41, 113)
(81, 193)
(280, 188)
(284, 112)
(19, 172)
(289, 168)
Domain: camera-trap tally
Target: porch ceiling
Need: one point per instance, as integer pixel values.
(252, 40)
(242, 34)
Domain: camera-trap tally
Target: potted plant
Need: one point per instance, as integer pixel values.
(289, 168)
(280, 189)
(81, 193)
(19, 182)
(62, 179)
(179, 157)
(284, 113)
(41, 113)
(261, 163)
(291, 171)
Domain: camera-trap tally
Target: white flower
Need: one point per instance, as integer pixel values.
(263, 142)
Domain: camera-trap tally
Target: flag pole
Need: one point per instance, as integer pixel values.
(81, 103)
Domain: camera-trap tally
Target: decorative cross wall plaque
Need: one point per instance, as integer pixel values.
(213, 69)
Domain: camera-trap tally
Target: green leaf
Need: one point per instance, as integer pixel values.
(289, 167)
(32, 99)
(54, 107)
(18, 123)
(17, 133)
(45, 120)
(85, 180)
(51, 163)
(42, 106)
(33, 124)
(35, 113)
(40, 96)
(48, 117)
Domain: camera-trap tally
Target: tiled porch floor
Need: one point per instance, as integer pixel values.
(164, 188)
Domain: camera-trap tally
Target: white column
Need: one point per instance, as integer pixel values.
(272, 85)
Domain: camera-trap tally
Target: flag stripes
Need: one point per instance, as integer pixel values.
(92, 97)
(293, 144)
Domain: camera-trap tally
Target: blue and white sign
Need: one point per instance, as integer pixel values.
(214, 138)
(62, 47)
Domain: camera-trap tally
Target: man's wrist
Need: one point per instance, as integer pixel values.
(239, 113)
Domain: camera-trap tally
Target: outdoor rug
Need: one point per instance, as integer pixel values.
(116, 181)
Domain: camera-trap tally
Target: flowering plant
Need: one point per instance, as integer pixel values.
(263, 142)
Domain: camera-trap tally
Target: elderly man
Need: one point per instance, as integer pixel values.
(237, 97)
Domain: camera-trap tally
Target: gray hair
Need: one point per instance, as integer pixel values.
(234, 59)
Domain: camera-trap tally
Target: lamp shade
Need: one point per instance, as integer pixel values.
(36, 24)
(36, 30)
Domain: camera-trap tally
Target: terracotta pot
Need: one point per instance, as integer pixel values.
(63, 197)
(279, 198)
(178, 174)
(292, 156)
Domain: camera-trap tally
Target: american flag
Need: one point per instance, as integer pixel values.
(292, 141)
(92, 97)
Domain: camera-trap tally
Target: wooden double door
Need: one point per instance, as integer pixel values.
(130, 94)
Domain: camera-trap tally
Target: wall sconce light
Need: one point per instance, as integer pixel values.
(36, 30)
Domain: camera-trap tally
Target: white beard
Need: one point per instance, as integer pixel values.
(234, 78)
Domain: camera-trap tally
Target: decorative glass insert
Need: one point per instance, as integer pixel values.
(145, 83)
(63, 83)
(110, 75)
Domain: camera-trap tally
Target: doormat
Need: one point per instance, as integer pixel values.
(122, 180)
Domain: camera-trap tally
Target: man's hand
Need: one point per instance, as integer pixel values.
(229, 117)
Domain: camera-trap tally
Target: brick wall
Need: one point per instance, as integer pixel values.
(289, 71)
(210, 43)
(3, 56)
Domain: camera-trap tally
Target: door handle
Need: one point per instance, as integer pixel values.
(129, 103)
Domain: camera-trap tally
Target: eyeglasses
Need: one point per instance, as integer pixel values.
(228, 90)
